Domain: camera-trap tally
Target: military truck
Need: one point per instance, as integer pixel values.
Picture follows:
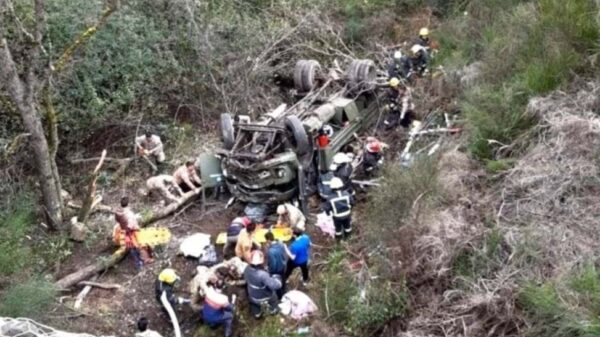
(274, 158)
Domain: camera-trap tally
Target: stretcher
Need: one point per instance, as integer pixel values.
(282, 233)
(145, 237)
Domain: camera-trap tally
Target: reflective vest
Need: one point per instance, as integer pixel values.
(340, 204)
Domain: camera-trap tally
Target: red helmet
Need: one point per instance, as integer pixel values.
(246, 221)
(374, 146)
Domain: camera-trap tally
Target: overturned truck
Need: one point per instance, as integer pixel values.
(275, 157)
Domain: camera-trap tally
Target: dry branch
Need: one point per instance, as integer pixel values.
(107, 286)
(86, 207)
(103, 263)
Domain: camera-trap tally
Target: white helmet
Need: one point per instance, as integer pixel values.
(336, 183)
(416, 49)
(281, 209)
(397, 55)
(341, 158)
(257, 258)
(328, 130)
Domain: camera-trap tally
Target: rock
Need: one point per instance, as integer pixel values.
(78, 230)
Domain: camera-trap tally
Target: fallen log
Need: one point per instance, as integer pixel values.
(86, 290)
(106, 286)
(99, 207)
(103, 262)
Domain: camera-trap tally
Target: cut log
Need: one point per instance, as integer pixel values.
(86, 290)
(103, 263)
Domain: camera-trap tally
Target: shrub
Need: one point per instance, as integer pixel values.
(28, 299)
(391, 203)
(16, 218)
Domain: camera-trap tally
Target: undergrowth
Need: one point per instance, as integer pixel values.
(29, 299)
(16, 220)
(527, 48)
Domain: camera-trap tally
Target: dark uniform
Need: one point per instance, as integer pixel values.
(400, 68)
(262, 289)
(339, 206)
(420, 61)
(161, 288)
(371, 162)
(344, 172)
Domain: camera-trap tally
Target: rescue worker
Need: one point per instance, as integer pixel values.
(143, 331)
(163, 184)
(401, 106)
(261, 286)
(233, 231)
(299, 254)
(322, 139)
(324, 184)
(372, 156)
(128, 223)
(186, 177)
(341, 167)
(400, 66)
(245, 243)
(339, 206)
(419, 59)
(276, 260)
(164, 290)
(423, 39)
(217, 310)
(151, 146)
(290, 216)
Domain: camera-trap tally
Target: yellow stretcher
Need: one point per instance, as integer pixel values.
(283, 234)
(145, 237)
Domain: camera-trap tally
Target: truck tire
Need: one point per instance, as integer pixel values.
(299, 136)
(306, 74)
(227, 132)
(361, 75)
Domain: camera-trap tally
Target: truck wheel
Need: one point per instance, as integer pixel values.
(306, 75)
(361, 75)
(227, 133)
(299, 137)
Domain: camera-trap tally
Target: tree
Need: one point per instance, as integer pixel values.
(28, 85)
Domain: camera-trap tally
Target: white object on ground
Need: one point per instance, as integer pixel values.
(194, 245)
(171, 312)
(297, 305)
(325, 222)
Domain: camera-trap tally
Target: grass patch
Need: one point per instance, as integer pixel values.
(361, 308)
(16, 219)
(29, 299)
(389, 204)
(527, 48)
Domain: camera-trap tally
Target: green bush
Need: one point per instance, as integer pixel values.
(16, 219)
(29, 299)
(361, 309)
(566, 307)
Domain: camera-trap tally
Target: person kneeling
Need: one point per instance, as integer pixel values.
(217, 310)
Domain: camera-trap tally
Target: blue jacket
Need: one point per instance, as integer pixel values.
(276, 258)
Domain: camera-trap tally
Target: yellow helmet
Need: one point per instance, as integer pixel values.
(424, 32)
(168, 276)
(394, 82)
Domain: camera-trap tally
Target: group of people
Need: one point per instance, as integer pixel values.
(402, 70)
(265, 270)
(171, 187)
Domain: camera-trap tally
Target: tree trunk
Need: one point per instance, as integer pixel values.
(23, 97)
(44, 164)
